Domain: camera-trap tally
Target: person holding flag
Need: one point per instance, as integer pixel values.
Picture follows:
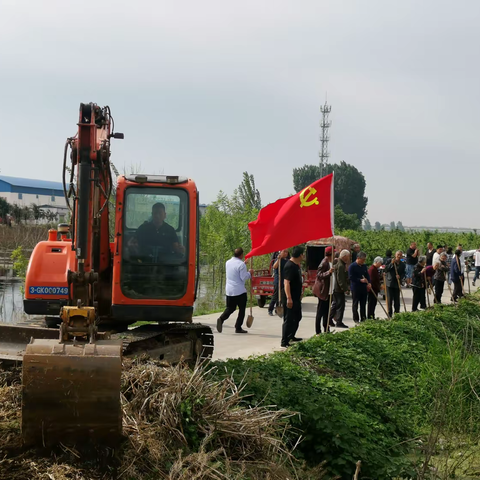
(280, 259)
(292, 297)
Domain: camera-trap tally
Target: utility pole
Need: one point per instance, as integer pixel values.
(324, 137)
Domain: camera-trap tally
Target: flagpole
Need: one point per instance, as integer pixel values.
(332, 212)
(330, 288)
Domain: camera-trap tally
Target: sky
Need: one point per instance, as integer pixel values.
(209, 89)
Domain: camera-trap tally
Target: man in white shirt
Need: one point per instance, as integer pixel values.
(476, 257)
(436, 255)
(235, 291)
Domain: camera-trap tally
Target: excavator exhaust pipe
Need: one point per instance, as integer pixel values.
(71, 393)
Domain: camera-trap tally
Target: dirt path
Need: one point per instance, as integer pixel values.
(265, 334)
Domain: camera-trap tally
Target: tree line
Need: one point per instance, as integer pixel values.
(378, 227)
(22, 214)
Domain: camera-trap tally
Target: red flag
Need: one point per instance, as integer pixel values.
(297, 219)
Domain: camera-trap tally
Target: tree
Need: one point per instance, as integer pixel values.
(346, 221)
(26, 214)
(400, 226)
(367, 226)
(50, 216)
(16, 212)
(349, 185)
(392, 226)
(304, 176)
(246, 196)
(37, 212)
(378, 226)
(5, 208)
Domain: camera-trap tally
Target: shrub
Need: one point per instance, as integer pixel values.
(371, 392)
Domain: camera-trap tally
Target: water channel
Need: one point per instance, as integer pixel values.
(11, 298)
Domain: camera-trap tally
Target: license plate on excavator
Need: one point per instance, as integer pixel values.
(71, 393)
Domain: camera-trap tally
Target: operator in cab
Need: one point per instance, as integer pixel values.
(158, 237)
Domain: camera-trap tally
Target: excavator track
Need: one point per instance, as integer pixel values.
(171, 342)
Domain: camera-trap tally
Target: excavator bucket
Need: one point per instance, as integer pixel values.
(71, 393)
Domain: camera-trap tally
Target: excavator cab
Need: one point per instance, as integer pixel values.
(154, 270)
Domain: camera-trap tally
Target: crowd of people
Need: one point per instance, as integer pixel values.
(346, 273)
(423, 273)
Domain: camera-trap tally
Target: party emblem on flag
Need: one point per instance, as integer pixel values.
(304, 202)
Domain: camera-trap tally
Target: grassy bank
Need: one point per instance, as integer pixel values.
(401, 396)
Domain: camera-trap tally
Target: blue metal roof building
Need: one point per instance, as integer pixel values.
(29, 185)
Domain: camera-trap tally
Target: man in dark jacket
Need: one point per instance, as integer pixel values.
(278, 258)
(359, 284)
(324, 275)
(292, 296)
(355, 252)
(456, 275)
(395, 271)
(440, 276)
(418, 284)
(341, 286)
(375, 289)
(388, 257)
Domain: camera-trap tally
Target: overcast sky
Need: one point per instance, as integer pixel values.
(210, 89)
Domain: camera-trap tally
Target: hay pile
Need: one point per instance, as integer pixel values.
(178, 423)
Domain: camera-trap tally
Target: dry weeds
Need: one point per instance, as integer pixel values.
(178, 424)
(26, 236)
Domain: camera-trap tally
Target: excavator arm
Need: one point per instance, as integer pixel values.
(71, 385)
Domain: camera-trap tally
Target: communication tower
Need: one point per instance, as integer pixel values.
(325, 124)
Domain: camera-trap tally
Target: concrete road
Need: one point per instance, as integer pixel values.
(266, 332)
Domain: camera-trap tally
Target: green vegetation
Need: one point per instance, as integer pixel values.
(20, 262)
(346, 221)
(401, 395)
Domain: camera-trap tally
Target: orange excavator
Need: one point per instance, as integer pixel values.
(93, 288)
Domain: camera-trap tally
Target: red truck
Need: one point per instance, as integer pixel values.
(262, 284)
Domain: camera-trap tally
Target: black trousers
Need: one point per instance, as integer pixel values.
(457, 290)
(359, 298)
(372, 303)
(291, 320)
(439, 286)
(239, 301)
(274, 300)
(418, 298)
(322, 315)
(393, 297)
(338, 306)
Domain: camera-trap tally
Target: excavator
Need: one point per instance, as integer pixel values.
(95, 277)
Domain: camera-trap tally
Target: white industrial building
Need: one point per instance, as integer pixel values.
(25, 191)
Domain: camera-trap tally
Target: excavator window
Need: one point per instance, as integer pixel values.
(155, 243)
